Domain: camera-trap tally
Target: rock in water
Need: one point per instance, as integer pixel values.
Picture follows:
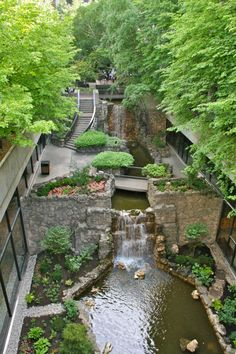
(121, 266)
(140, 274)
(107, 349)
(89, 302)
(183, 342)
(195, 295)
(94, 290)
(192, 346)
(187, 344)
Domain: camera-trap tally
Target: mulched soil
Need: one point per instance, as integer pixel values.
(45, 322)
(38, 289)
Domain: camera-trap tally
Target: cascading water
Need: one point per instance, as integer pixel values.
(132, 240)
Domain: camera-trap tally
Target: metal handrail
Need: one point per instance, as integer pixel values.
(92, 120)
(75, 120)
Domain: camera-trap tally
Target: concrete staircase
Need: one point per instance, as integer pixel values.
(86, 112)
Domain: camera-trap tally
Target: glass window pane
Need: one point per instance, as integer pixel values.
(12, 209)
(19, 242)
(9, 273)
(22, 186)
(3, 233)
(4, 319)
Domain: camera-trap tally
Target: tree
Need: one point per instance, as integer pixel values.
(199, 84)
(36, 50)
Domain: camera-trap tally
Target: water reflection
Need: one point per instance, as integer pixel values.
(149, 316)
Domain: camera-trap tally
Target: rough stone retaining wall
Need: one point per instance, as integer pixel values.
(89, 217)
(175, 210)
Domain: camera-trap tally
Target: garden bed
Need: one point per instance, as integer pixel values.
(78, 183)
(52, 277)
(54, 333)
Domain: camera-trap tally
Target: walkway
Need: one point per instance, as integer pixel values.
(86, 107)
(62, 162)
(131, 183)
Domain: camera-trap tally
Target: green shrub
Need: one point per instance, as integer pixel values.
(57, 240)
(29, 298)
(57, 273)
(113, 141)
(195, 231)
(217, 305)
(203, 273)
(158, 140)
(57, 323)
(42, 345)
(87, 252)
(53, 292)
(228, 312)
(45, 265)
(35, 333)
(75, 340)
(91, 138)
(73, 263)
(232, 290)
(110, 159)
(71, 309)
(155, 170)
(233, 338)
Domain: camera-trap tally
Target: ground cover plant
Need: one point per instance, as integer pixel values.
(183, 185)
(55, 334)
(58, 268)
(93, 138)
(79, 182)
(195, 261)
(155, 170)
(225, 308)
(113, 160)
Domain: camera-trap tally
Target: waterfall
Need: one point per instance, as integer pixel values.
(132, 239)
(118, 121)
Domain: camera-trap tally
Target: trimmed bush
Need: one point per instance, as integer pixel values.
(110, 159)
(75, 340)
(91, 138)
(57, 240)
(113, 141)
(155, 170)
(195, 231)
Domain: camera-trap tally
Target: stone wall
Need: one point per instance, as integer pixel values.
(89, 216)
(176, 210)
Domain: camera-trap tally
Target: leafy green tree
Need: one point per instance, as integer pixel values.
(36, 50)
(89, 29)
(199, 84)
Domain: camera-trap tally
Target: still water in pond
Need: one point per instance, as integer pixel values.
(149, 316)
(140, 154)
(125, 200)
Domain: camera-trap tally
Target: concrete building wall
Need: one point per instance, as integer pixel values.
(11, 169)
(176, 210)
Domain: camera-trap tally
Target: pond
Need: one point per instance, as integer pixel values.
(125, 200)
(149, 316)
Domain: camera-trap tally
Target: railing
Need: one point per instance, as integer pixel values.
(75, 120)
(92, 121)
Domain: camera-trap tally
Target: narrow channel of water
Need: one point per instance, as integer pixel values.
(149, 316)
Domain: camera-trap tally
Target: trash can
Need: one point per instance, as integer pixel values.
(45, 167)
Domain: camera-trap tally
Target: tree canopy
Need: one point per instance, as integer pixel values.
(183, 52)
(36, 50)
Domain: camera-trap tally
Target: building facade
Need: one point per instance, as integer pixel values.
(17, 168)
